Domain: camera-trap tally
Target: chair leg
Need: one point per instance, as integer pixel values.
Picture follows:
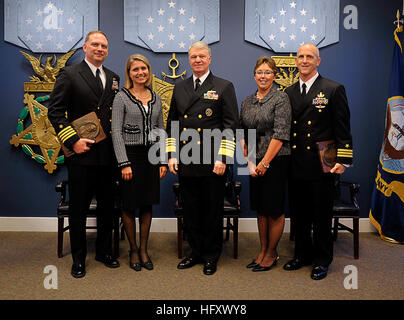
(116, 236)
(228, 227)
(61, 222)
(179, 236)
(335, 229)
(235, 238)
(356, 237)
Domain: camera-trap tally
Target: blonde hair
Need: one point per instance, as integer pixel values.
(200, 45)
(128, 81)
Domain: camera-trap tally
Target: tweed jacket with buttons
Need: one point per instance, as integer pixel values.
(271, 117)
(132, 125)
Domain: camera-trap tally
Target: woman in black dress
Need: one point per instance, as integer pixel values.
(267, 111)
(136, 112)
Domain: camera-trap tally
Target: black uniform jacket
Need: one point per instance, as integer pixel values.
(322, 115)
(75, 95)
(212, 106)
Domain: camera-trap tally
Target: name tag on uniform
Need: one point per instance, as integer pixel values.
(211, 95)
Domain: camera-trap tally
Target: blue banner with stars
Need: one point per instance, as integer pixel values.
(171, 26)
(284, 25)
(49, 26)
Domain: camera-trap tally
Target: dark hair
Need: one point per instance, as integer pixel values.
(268, 61)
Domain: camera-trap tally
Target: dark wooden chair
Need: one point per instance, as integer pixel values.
(63, 212)
(346, 206)
(231, 213)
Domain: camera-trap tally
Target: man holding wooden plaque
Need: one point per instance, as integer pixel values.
(85, 92)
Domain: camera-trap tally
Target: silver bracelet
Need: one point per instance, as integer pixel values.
(265, 166)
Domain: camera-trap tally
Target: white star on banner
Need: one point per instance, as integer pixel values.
(182, 44)
(292, 5)
(59, 45)
(192, 36)
(59, 12)
(28, 37)
(39, 29)
(49, 37)
(160, 44)
(313, 21)
(282, 29)
(282, 44)
(160, 28)
(272, 20)
(171, 4)
(39, 13)
(182, 11)
(181, 27)
(70, 21)
(272, 37)
(28, 21)
(313, 37)
(292, 36)
(150, 36)
(292, 21)
(38, 45)
(161, 12)
(70, 38)
(282, 12)
(192, 20)
(303, 12)
(171, 20)
(303, 28)
(150, 19)
(171, 36)
(50, 5)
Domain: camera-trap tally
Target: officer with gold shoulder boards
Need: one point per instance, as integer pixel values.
(200, 103)
(79, 90)
(320, 113)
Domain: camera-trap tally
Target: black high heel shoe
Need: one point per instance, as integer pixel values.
(148, 264)
(260, 268)
(252, 264)
(137, 266)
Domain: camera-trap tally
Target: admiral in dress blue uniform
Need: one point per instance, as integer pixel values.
(79, 90)
(202, 102)
(320, 112)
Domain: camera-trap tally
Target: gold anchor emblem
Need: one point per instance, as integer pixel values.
(173, 64)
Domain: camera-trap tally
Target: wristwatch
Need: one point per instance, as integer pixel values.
(266, 166)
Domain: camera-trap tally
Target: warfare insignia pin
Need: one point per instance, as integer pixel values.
(320, 102)
(208, 112)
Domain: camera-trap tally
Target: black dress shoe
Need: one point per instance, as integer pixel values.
(260, 268)
(188, 262)
(295, 264)
(319, 272)
(210, 267)
(134, 265)
(78, 270)
(148, 264)
(108, 261)
(252, 264)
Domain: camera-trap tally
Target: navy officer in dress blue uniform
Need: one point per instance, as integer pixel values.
(79, 90)
(200, 103)
(320, 112)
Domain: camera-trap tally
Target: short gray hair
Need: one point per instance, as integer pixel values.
(200, 45)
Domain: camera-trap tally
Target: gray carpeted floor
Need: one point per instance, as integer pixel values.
(24, 256)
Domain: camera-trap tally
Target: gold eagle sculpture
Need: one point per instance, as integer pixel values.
(49, 71)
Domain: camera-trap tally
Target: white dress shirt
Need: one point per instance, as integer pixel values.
(94, 71)
(308, 83)
(202, 79)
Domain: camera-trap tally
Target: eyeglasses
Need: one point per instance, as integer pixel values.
(267, 73)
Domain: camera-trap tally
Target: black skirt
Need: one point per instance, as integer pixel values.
(267, 193)
(144, 187)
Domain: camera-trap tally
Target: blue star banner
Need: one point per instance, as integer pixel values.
(284, 25)
(387, 203)
(171, 26)
(49, 26)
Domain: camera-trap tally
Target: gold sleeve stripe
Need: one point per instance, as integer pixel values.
(65, 130)
(346, 150)
(228, 144)
(67, 137)
(226, 152)
(171, 145)
(66, 134)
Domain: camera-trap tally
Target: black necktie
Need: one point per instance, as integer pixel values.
(303, 90)
(99, 82)
(197, 84)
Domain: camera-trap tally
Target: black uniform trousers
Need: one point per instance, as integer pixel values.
(202, 200)
(84, 183)
(312, 210)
